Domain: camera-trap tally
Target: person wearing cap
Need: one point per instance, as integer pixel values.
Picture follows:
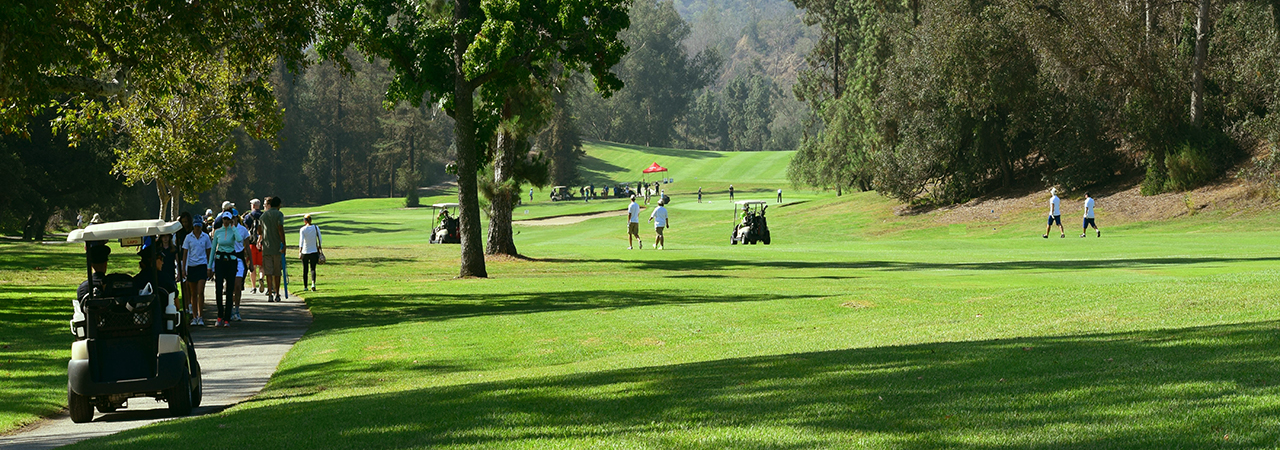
(197, 250)
(243, 267)
(633, 223)
(271, 242)
(1055, 213)
(660, 222)
(309, 247)
(99, 253)
(225, 266)
(96, 219)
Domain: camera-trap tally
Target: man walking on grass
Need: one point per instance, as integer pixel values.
(633, 223)
(1055, 213)
(660, 222)
(1088, 216)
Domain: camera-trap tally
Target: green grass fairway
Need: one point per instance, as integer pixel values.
(856, 329)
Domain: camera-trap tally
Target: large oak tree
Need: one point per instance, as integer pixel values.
(449, 50)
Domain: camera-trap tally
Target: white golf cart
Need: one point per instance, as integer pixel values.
(752, 226)
(561, 193)
(131, 340)
(444, 226)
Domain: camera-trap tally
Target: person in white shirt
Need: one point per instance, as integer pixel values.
(1055, 213)
(633, 223)
(309, 250)
(660, 222)
(196, 249)
(1088, 216)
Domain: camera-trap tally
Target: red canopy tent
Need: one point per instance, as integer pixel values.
(654, 168)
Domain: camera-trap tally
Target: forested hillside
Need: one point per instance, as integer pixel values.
(710, 74)
(943, 101)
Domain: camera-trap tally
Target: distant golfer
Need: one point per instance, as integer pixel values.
(699, 195)
(633, 223)
(779, 195)
(731, 192)
(660, 222)
(1088, 216)
(530, 195)
(1055, 213)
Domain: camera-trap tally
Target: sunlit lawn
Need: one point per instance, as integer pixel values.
(857, 328)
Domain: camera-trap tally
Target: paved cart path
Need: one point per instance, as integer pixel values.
(236, 363)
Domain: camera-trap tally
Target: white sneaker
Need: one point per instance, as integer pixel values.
(629, 248)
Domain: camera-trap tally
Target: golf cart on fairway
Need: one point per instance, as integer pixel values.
(752, 227)
(561, 193)
(444, 227)
(131, 339)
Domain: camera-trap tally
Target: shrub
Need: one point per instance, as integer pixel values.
(411, 199)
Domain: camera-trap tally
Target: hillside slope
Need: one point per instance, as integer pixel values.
(608, 163)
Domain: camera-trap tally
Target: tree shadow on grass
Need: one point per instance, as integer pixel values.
(343, 311)
(680, 265)
(1183, 388)
(344, 226)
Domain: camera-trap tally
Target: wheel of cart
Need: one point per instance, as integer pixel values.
(131, 339)
(749, 224)
(444, 225)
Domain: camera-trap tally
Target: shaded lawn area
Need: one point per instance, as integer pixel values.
(1200, 387)
(37, 284)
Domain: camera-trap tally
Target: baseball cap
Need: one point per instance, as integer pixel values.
(98, 253)
(226, 206)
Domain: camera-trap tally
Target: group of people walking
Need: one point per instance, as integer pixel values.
(658, 217)
(227, 248)
(1055, 215)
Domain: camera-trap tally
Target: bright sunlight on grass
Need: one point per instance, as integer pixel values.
(857, 328)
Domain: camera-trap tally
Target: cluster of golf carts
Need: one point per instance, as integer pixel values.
(131, 340)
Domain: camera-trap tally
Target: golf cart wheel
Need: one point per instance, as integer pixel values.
(179, 397)
(197, 385)
(81, 410)
(765, 239)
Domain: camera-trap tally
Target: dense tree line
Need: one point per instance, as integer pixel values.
(943, 101)
(338, 141)
(706, 75)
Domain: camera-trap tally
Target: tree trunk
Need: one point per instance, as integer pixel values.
(335, 165)
(464, 126)
(501, 240)
(34, 229)
(162, 191)
(1275, 13)
(1197, 64)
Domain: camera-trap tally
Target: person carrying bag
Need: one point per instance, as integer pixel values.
(309, 251)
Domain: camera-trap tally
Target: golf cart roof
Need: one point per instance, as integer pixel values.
(751, 202)
(559, 187)
(124, 229)
(445, 205)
